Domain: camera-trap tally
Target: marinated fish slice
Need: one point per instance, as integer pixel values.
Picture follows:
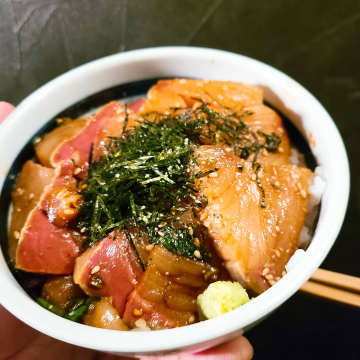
(62, 201)
(136, 106)
(53, 140)
(266, 120)
(110, 268)
(109, 121)
(166, 295)
(247, 237)
(45, 245)
(45, 248)
(28, 190)
(176, 93)
(105, 316)
(60, 290)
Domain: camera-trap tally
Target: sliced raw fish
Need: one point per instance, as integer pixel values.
(251, 239)
(166, 295)
(110, 268)
(109, 121)
(177, 93)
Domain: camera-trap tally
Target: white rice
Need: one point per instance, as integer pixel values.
(297, 158)
(315, 191)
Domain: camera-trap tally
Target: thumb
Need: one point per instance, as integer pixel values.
(236, 349)
(5, 110)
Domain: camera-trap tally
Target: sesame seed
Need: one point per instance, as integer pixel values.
(207, 224)
(281, 150)
(277, 253)
(265, 152)
(140, 323)
(167, 112)
(214, 175)
(197, 254)
(191, 231)
(84, 186)
(31, 196)
(253, 177)
(197, 242)
(177, 105)
(83, 230)
(303, 193)
(277, 183)
(265, 271)
(191, 319)
(278, 278)
(272, 282)
(161, 233)
(204, 271)
(199, 84)
(280, 130)
(68, 212)
(225, 87)
(149, 247)
(182, 81)
(299, 186)
(277, 228)
(95, 269)
(228, 149)
(162, 225)
(269, 277)
(206, 81)
(173, 213)
(137, 312)
(167, 273)
(283, 273)
(77, 171)
(281, 249)
(16, 235)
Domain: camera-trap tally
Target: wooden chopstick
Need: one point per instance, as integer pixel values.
(334, 279)
(334, 286)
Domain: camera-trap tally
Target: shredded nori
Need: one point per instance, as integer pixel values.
(147, 172)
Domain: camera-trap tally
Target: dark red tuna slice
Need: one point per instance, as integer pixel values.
(109, 121)
(46, 248)
(110, 268)
(43, 205)
(28, 190)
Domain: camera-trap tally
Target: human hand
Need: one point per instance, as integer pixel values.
(20, 342)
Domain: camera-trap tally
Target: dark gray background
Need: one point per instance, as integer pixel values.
(314, 41)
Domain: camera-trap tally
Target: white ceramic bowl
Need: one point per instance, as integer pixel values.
(281, 91)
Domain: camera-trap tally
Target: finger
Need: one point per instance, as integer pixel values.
(5, 110)
(236, 349)
(14, 335)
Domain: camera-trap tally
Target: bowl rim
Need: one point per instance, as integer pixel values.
(14, 298)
